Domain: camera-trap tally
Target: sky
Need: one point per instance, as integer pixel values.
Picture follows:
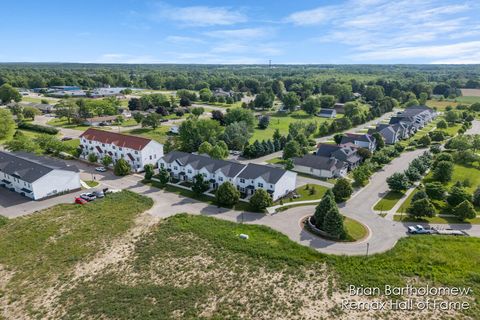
(241, 32)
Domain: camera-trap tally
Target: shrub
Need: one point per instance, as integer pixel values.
(92, 157)
(37, 127)
(457, 195)
(148, 171)
(435, 190)
(326, 204)
(421, 208)
(342, 190)
(121, 168)
(199, 185)
(227, 194)
(260, 200)
(398, 182)
(465, 210)
(443, 171)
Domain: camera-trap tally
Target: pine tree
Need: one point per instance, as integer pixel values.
(333, 224)
(326, 204)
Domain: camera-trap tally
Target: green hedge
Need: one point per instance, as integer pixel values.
(37, 127)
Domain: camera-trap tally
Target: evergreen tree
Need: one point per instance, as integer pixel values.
(326, 204)
(260, 200)
(163, 176)
(342, 190)
(148, 171)
(333, 224)
(465, 210)
(199, 185)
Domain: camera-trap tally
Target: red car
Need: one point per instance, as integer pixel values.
(80, 201)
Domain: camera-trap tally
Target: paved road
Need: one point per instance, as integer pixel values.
(65, 132)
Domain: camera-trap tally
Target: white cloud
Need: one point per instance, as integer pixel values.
(246, 33)
(395, 30)
(183, 40)
(199, 16)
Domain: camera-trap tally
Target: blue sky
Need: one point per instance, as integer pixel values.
(136, 31)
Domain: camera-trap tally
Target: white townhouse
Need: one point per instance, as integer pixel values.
(37, 177)
(137, 151)
(247, 178)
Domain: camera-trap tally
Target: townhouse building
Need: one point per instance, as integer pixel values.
(247, 178)
(37, 177)
(137, 151)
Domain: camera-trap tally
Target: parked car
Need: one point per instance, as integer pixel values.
(103, 124)
(418, 229)
(80, 201)
(66, 138)
(98, 193)
(100, 169)
(88, 196)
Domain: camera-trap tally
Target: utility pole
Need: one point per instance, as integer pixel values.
(368, 245)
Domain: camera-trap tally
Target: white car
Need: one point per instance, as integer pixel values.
(100, 169)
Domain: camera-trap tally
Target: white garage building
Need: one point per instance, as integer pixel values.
(37, 177)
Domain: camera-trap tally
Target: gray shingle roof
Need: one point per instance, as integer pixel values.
(228, 168)
(29, 167)
(269, 174)
(318, 162)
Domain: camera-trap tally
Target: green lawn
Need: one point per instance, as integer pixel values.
(39, 100)
(281, 122)
(388, 201)
(406, 203)
(160, 134)
(313, 192)
(452, 130)
(92, 183)
(73, 144)
(461, 173)
(63, 122)
(276, 161)
(468, 99)
(355, 230)
(167, 278)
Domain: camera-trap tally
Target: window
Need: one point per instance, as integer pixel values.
(120, 149)
(242, 180)
(175, 168)
(220, 179)
(271, 186)
(205, 175)
(103, 144)
(189, 171)
(150, 157)
(260, 185)
(136, 152)
(162, 165)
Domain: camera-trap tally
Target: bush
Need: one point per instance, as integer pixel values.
(92, 157)
(458, 195)
(342, 190)
(148, 171)
(435, 190)
(421, 208)
(121, 168)
(260, 200)
(443, 171)
(398, 182)
(37, 128)
(199, 185)
(465, 210)
(227, 194)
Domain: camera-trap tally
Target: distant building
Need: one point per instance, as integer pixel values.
(319, 166)
(96, 121)
(65, 88)
(339, 107)
(137, 151)
(361, 140)
(327, 113)
(37, 177)
(219, 92)
(346, 153)
(173, 129)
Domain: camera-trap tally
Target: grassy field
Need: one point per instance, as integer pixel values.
(160, 134)
(314, 192)
(39, 99)
(63, 122)
(441, 105)
(388, 201)
(220, 276)
(42, 249)
(91, 183)
(281, 122)
(461, 173)
(468, 99)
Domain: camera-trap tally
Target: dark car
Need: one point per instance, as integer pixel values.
(98, 193)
